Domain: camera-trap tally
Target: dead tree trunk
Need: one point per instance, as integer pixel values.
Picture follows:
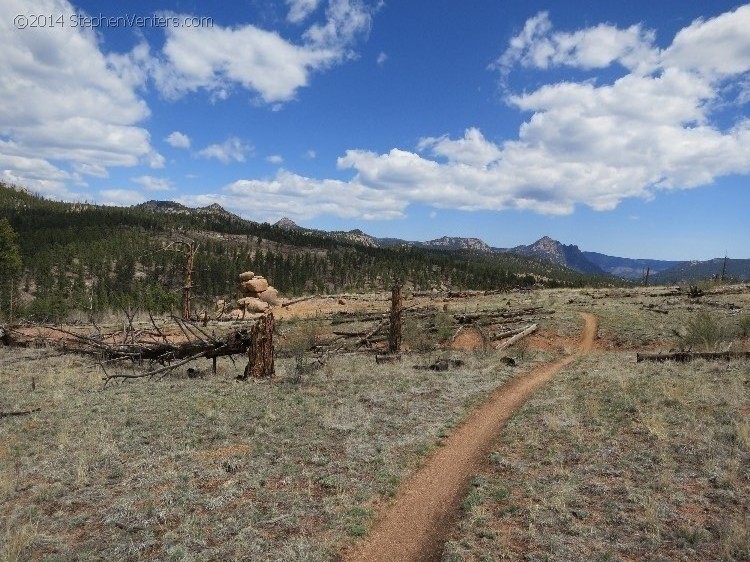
(394, 339)
(645, 276)
(260, 353)
(189, 258)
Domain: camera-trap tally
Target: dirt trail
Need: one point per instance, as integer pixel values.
(415, 525)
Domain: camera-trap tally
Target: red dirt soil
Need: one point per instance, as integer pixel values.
(415, 525)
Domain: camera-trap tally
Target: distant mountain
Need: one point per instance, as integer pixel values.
(457, 243)
(566, 255)
(155, 206)
(355, 236)
(285, 223)
(627, 267)
(173, 208)
(693, 271)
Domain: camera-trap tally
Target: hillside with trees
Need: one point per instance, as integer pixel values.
(97, 259)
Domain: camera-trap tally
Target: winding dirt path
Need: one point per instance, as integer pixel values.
(415, 525)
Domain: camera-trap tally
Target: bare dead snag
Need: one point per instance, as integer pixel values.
(394, 340)
(260, 353)
(190, 248)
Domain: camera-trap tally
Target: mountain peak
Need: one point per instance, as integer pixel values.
(214, 208)
(458, 243)
(286, 223)
(552, 250)
(162, 206)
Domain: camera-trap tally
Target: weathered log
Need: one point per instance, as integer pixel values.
(687, 356)
(19, 413)
(295, 301)
(349, 334)
(507, 343)
(509, 333)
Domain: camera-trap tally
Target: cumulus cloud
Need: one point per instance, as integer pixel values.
(66, 106)
(121, 197)
(275, 159)
(231, 150)
(590, 48)
(299, 10)
(591, 143)
(178, 140)
(293, 195)
(217, 59)
(151, 183)
(382, 58)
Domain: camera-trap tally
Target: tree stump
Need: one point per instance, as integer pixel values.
(260, 352)
(394, 339)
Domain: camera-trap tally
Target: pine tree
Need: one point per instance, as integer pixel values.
(10, 267)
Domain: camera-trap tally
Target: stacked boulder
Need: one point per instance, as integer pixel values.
(258, 295)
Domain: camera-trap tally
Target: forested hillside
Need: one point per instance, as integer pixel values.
(98, 259)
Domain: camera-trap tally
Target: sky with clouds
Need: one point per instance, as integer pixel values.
(620, 127)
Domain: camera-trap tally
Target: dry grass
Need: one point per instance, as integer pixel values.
(211, 468)
(612, 460)
(615, 460)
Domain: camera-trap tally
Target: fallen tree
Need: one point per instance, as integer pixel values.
(510, 341)
(687, 356)
(138, 346)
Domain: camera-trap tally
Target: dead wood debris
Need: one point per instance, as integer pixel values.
(687, 356)
(19, 413)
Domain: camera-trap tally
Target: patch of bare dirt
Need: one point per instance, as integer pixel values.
(468, 339)
(415, 526)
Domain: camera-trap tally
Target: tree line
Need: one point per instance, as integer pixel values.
(57, 258)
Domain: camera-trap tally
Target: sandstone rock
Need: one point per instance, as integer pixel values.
(256, 284)
(251, 304)
(246, 276)
(270, 295)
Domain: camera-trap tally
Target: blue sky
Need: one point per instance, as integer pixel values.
(620, 127)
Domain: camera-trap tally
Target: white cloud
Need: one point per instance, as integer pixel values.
(217, 58)
(299, 10)
(718, 47)
(151, 183)
(275, 159)
(590, 48)
(232, 149)
(120, 197)
(63, 101)
(472, 150)
(178, 140)
(299, 197)
(311, 154)
(584, 143)
(382, 58)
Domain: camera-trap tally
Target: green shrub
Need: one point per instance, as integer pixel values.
(705, 331)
